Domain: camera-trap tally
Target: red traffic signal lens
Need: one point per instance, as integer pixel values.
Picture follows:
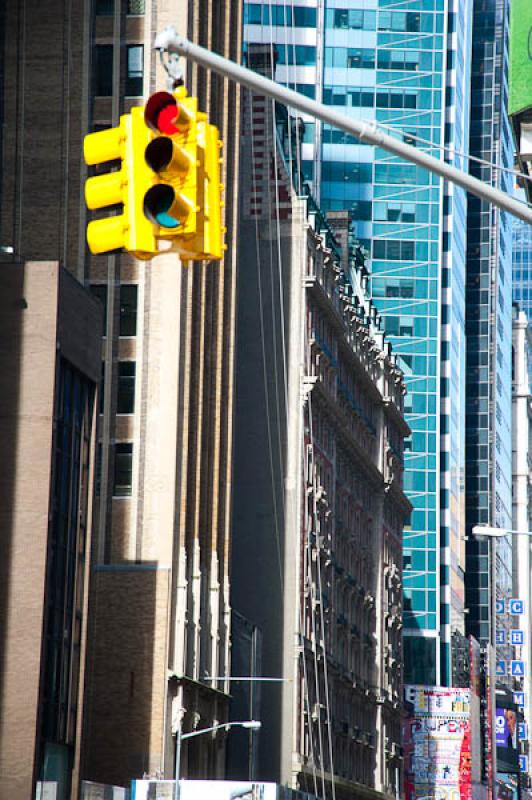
(164, 114)
(167, 119)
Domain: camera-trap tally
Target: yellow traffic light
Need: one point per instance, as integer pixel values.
(171, 202)
(213, 232)
(126, 187)
(167, 184)
(208, 242)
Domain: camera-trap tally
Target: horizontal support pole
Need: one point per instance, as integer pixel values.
(169, 40)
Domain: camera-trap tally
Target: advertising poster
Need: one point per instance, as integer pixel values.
(506, 728)
(520, 56)
(478, 788)
(437, 743)
(507, 734)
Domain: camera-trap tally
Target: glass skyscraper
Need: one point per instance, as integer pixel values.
(406, 66)
(489, 318)
(522, 273)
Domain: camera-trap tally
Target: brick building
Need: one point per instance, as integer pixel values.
(50, 330)
(159, 601)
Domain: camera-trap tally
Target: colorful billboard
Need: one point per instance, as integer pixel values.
(506, 728)
(520, 56)
(437, 743)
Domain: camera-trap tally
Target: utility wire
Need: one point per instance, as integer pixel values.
(515, 173)
(254, 188)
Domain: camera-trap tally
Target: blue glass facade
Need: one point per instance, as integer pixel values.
(405, 65)
(522, 272)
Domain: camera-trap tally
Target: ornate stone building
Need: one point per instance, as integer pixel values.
(318, 505)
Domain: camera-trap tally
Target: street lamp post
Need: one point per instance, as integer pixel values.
(252, 724)
(491, 534)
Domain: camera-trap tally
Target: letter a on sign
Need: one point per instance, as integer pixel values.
(518, 669)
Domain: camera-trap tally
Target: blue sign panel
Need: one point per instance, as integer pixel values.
(523, 763)
(500, 637)
(519, 698)
(517, 606)
(517, 637)
(518, 668)
(500, 668)
(523, 732)
(499, 606)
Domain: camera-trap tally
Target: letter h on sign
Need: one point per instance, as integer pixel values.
(517, 637)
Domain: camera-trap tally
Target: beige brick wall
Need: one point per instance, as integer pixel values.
(43, 312)
(125, 704)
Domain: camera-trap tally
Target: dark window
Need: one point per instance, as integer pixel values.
(98, 469)
(252, 14)
(104, 8)
(66, 567)
(304, 17)
(99, 290)
(126, 387)
(128, 310)
(101, 390)
(394, 249)
(123, 469)
(103, 70)
(136, 7)
(360, 58)
(135, 70)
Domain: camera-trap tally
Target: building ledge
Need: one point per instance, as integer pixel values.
(203, 688)
(321, 296)
(392, 411)
(364, 460)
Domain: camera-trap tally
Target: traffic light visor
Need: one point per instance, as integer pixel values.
(164, 155)
(166, 207)
(103, 146)
(106, 235)
(164, 114)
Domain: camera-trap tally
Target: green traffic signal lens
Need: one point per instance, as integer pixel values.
(158, 203)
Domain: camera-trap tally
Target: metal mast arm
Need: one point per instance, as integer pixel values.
(172, 42)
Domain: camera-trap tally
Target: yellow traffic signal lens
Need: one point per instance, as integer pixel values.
(164, 155)
(166, 207)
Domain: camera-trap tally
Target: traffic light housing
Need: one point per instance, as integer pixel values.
(185, 199)
(126, 186)
(167, 182)
(171, 203)
(208, 243)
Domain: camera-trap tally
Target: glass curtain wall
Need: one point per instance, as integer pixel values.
(489, 320)
(406, 65)
(522, 273)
